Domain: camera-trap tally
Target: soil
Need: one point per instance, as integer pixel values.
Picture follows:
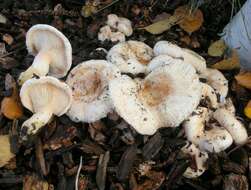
(112, 153)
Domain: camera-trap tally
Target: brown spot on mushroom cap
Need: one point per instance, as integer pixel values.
(153, 92)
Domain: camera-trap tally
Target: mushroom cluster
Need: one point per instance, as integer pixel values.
(116, 29)
(175, 88)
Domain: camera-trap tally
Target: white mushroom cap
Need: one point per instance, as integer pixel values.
(105, 33)
(227, 120)
(214, 140)
(45, 97)
(167, 96)
(160, 61)
(125, 98)
(89, 82)
(131, 56)
(228, 105)
(216, 80)
(190, 57)
(208, 93)
(121, 24)
(52, 50)
(200, 159)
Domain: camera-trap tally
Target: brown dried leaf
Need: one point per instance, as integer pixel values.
(8, 39)
(217, 48)
(191, 21)
(34, 183)
(5, 152)
(8, 62)
(155, 181)
(244, 79)
(235, 182)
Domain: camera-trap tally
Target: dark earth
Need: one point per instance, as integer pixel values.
(110, 150)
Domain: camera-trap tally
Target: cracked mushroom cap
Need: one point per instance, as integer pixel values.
(130, 56)
(190, 57)
(164, 98)
(198, 157)
(47, 40)
(45, 97)
(89, 82)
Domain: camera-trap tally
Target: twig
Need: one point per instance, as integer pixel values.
(103, 8)
(79, 169)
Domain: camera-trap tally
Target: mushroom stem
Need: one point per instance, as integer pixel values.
(33, 124)
(39, 67)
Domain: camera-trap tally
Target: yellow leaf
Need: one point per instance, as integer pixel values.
(5, 152)
(247, 110)
(217, 48)
(244, 79)
(191, 21)
(230, 63)
(162, 25)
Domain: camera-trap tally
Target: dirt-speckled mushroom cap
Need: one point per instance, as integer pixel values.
(89, 82)
(42, 37)
(130, 56)
(46, 93)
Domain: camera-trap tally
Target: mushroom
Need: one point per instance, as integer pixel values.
(208, 94)
(89, 82)
(52, 51)
(5, 150)
(216, 80)
(44, 97)
(228, 105)
(190, 57)
(166, 97)
(198, 159)
(227, 120)
(160, 61)
(131, 56)
(122, 24)
(105, 33)
(214, 140)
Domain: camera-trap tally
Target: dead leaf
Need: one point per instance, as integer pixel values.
(88, 10)
(217, 48)
(244, 79)
(8, 39)
(8, 62)
(229, 63)
(33, 182)
(247, 110)
(190, 21)
(162, 25)
(5, 152)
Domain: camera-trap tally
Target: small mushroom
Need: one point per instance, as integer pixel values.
(159, 100)
(105, 33)
(214, 140)
(44, 97)
(122, 24)
(131, 56)
(52, 51)
(89, 82)
(208, 94)
(227, 120)
(198, 161)
(190, 57)
(216, 80)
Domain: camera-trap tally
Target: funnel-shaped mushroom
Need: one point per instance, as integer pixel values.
(44, 97)
(214, 140)
(89, 82)
(209, 96)
(131, 56)
(166, 97)
(52, 51)
(190, 57)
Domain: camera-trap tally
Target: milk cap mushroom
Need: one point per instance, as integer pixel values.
(45, 97)
(209, 96)
(105, 33)
(164, 98)
(227, 120)
(52, 51)
(198, 157)
(120, 23)
(214, 140)
(189, 56)
(89, 82)
(217, 81)
(130, 56)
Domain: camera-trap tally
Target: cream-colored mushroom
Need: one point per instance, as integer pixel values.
(228, 105)
(217, 81)
(208, 94)
(131, 56)
(5, 150)
(190, 57)
(160, 100)
(214, 140)
(199, 157)
(122, 24)
(52, 51)
(105, 33)
(89, 82)
(44, 97)
(227, 120)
